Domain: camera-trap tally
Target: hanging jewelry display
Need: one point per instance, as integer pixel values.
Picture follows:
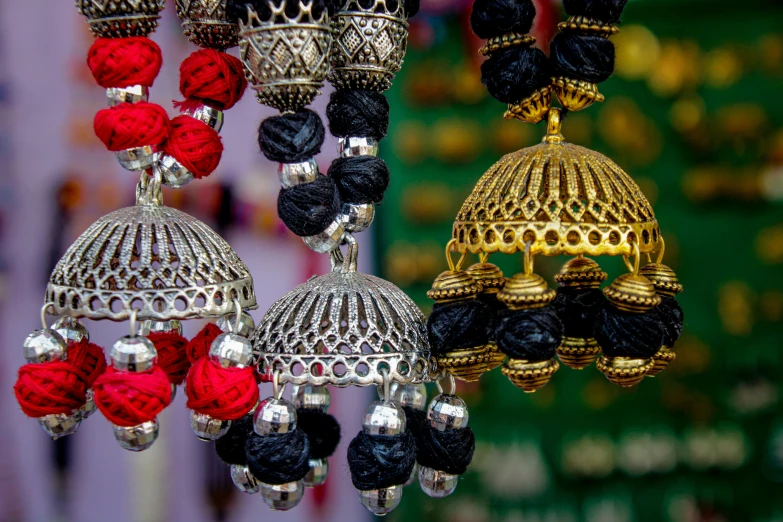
(553, 199)
(149, 264)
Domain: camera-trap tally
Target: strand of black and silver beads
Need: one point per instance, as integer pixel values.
(413, 400)
(323, 431)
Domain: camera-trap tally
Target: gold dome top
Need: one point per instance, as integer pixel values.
(526, 291)
(632, 293)
(581, 272)
(560, 197)
(489, 276)
(454, 285)
(663, 278)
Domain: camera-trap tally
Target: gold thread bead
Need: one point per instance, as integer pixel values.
(581, 272)
(532, 109)
(661, 360)
(505, 41)
(525, 292)
(455, 285)
(624, 371)
(632, 293)
(575, 95)
(489, 276)
(530, 376)
(578, 353)
(663, 278)
(584, 24)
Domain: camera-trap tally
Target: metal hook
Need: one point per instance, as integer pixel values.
(277, 391)
(134, 312)
(386, 385)
(452, 386)
(460, 261)
(634, 269)
(528, 259)
(44, 308)
(659, 258)
(238, 320)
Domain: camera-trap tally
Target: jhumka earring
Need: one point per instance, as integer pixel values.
(148, 264)
(553, 199)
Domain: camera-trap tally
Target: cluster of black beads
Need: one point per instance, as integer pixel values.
(628, 334)
(278, 458)
(532, 335)
(671, 316)
(577, 309)
(459, 324)
(322, 429)
(449, 450)
(381, 461)
(231, 446)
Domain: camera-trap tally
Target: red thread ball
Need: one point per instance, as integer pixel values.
(194, 144)
(49, 388)
(212, 77)
(171, 354)
(130, 398)
(130, 125)
(89, 358)
(222, 393)
(123, 62)
(198, 347)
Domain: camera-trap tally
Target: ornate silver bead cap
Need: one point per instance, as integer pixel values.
(173, 173)
(282, 497)
(369, 45)
(309, 397)
(327, 240)
(292, 174)
(71, 330)
(228, 323)
(231, 350)
(384, 418)
(274, 416)
(44, 346)
(286, 57)
(208, 428)
(60, 424)
(148, 327)
(437, 484)
(357, 146)
(205, 23)
(130, 94)
(139, 437)
(319, 469)
(243, 479)
(133, 354)
(206, 114)
(447, 412)
(381, 501)
(121, 18)
(357, 217)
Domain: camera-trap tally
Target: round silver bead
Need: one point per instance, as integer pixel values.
(327, 240)
(384, 418)
(447, 412)
(139, 437)
(243, 479)
(59, 425)
(247, 326)
(409, 395)
(71, 330)
(138, 158)
(131, 94)
(44, 346)
(355, 146)
(357, 217)
(381, 501)
(208, 428)
(204, 113)
(133, 354)
(292, 174)
(173, 174)
(148, 327)
(437, 484)
(230, 350)
(282, 497)
(88, 408)
(274, 416)
(309, 397)
(319, 468)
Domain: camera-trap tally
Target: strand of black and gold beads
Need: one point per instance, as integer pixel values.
(491, 279)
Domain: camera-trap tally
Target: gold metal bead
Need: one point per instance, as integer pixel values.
(505, 41)
(530, 376)
(575, 95)
(632, 293)
(584, 24)
(663, 278)
(454, 285)
(466, 364)
(661, 360)
(578, 353)
(495, 357)
(532, 109)
(525, 292)
(489, 276)
(624, 371)
(581, 272)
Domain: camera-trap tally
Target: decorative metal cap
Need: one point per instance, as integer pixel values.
(632, 293)
(526, 291)
(663, 278)
(121, 18)
(206, 23)
(489, 276)
(505, 41)
(532, 109)
(624, 371)
(454, 285)
(581, 272)
(576, 95)
(585, 25)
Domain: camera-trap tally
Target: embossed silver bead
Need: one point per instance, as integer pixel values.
(71, 330)
(354, 146)
(133, 354)
(139, 437)
(357, 217)
(227, 323)
(292, 174)
(121, 18)
(327, 240)
(44, 346)
(206, 23)
(59, 425)
(437, 484)
(173, 174)
(274, 416)
(130, 94)
(319, 469)
(231, 350)
(384, 418)
(282, 497)
(409, 395)
(138, 158)
(447, 412)
(88, 408)
(208, 428)
(381, 501)
(309, 397)
(206, 114)
(148, 327)
(243, 479)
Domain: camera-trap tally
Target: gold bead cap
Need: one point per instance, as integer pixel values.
(489, 276)
(581, 272)
(632, 293)
(454, 285)
(525, 292)
(663, 278)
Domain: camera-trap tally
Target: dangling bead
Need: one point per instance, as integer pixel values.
(667, 286)
(491, 279)
(413, 400)
(323, 431)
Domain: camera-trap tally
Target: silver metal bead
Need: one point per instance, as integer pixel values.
(208, 428)
(206, 114)
(414, 475)
(357, 217)
(282, 497)
(131, 94)
(71, 330)
(327, 240)
(139, 437)
(447, 412)
(437, 484)
(319, 468)
(274, 416)
(173, 174)
(381, 501)
(148, 327)
(311, 397)
(244, 480)
(384, 418)
(353, 146)
(409, 395)
(88, 408)
(44, 346)
(292, 174)
(230, 350)
(138, 158)
(247, 326)
(133, 354)
(59, 425)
